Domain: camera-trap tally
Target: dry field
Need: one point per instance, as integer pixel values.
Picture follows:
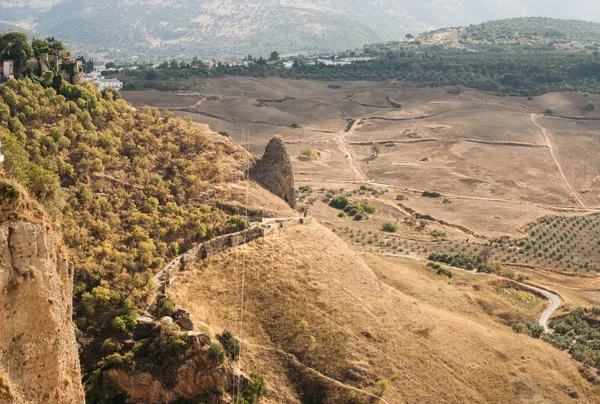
(354, 304)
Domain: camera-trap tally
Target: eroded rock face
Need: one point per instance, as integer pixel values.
(39, 361)
(274, 171)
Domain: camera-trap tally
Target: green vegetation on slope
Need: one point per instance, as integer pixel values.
(579, 333)
(128, 188)
(533, 32)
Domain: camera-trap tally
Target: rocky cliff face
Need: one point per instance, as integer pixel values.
(274, 171)
(39, 361)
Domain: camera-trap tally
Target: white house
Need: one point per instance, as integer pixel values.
(8, 69)
(1, 155)
(99, 66)
(289, 64)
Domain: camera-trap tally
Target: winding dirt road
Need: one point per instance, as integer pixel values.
(553, 298)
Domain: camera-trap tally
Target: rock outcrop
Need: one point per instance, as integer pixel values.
(39, 362)
(193, 374)
(274, 171)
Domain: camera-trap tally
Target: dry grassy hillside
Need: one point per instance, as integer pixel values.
(308, 294)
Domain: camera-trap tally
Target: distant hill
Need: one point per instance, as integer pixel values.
(218, 28)
(528, 31)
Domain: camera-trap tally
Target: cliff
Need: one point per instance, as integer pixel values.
(38, 353)
(274, 171)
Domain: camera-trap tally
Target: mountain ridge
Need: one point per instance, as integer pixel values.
(236, 27)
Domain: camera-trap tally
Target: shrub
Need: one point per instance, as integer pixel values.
(445, 272)
(438, 233)
(339, 202)
(341, 214)
(237, 223)
(230, 344)
(217, 353)
(165, 307)
(457, 90)
(124, 323)
(383, 386)
(334, 86)
(294, 125)
(549, 112)
(368, 208)
(431, 194)
(309, 154)
(389, 227)
(590, 106)
(256, 388)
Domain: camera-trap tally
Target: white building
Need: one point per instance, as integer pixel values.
(102, 82)
(8, 69)
(1, 155)
(289, 64)
(99, 66)
(115, 84)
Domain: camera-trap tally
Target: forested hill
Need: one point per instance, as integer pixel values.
(533, 32)
(129, 189)
(221, 28)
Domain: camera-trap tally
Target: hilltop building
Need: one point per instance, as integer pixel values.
(68, 67)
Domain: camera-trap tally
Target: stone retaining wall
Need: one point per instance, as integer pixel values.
(221, 243)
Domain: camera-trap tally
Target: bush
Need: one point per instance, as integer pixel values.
(549, 112)
(383, 386)
(389, 227)
(438, 233)
(339, 202)
(309, 154)
(231, 345)
(217, 353)
(457, 90)
(590, 106)
(431, 194)
(294, 125)
(445, 272)
(341, 214)
(165, 307)
(237, 223)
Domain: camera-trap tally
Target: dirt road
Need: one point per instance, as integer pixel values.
(544, 133)
(553, 298)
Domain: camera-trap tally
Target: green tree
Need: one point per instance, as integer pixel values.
(409, 36)
(15, 46)
(274, 55)
(174, 64)
(55, 44)
(376, 148)
(40, 46)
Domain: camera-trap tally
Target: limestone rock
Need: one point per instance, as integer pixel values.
(274, 171)
(39, 362)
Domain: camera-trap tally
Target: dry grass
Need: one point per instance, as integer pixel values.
(305, 282)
